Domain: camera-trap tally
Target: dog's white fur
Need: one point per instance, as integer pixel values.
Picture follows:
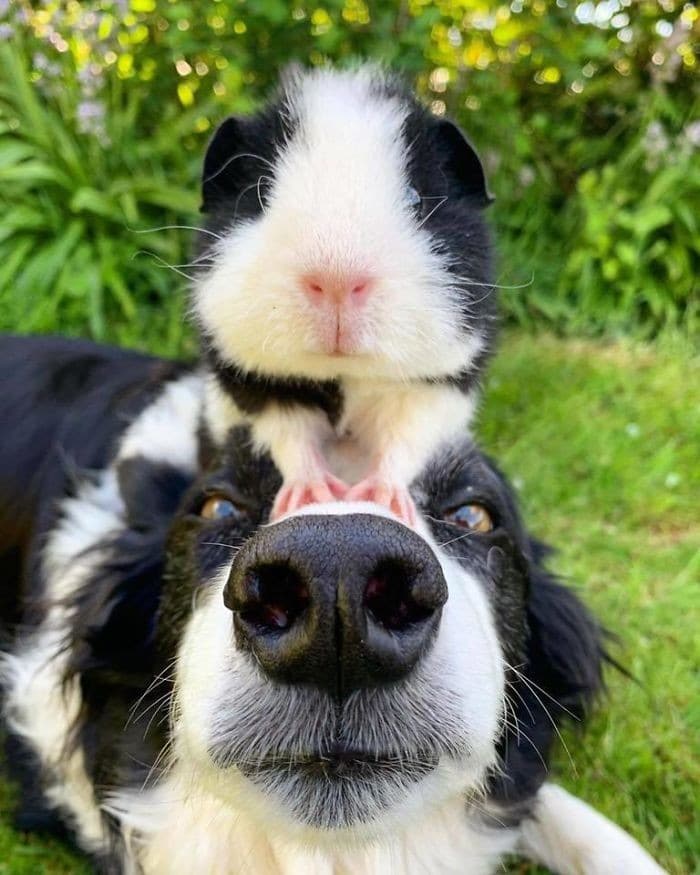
(39, 706)
(197, 817)
(571, 838)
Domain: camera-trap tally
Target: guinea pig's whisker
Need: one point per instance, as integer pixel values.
(260, 178)
(233, 158)
(174, 228)
(255, 185)
(206, 259)
(163, 263)
(434, 210)
(463, 280)
(234, 547)
(458, 538)
(201, 265)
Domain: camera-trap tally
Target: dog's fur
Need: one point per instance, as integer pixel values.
(113, 587)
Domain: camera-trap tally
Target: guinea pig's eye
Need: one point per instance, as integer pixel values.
(473, 517)
(219, 507)
(413, 198)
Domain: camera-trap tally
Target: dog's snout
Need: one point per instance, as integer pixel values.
(339, 602)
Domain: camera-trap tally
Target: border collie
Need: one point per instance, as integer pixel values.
(196, 689)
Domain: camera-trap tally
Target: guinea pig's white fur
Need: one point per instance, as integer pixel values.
(338, 200)
(338, 197)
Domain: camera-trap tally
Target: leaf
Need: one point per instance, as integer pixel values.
(651, 218)
(88, 200)
(13, 152)
(47, 261)
(33, 173)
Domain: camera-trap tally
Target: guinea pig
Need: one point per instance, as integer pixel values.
(345, 298)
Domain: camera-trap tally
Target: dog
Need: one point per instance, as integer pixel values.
(191, 688)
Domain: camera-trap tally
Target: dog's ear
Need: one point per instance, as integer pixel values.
(565, 651)
(224, 163)
(560, 676)
(115, 612)
(461, 164)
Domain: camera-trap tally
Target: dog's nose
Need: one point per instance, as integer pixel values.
(340, 602)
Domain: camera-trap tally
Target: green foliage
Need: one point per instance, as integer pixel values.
(68, 258)
(586, 115)
(637, 253)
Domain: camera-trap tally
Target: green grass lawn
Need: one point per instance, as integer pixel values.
(603, 444)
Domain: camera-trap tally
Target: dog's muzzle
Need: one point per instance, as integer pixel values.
(337, 602)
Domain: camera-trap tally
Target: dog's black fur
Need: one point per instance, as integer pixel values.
(63, 408)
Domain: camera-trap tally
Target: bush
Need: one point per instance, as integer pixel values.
(583, 113)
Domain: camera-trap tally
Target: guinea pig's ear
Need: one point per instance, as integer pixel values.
(223, 171)
(461, 163)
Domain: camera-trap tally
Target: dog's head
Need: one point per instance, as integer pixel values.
(342, 672)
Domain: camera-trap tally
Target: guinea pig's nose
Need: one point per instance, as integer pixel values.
(338, 602)
(321, 287)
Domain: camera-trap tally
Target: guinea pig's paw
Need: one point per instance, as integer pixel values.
(295, 494)
(389, 493)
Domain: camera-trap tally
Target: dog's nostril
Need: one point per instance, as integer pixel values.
(275, 595)
(389, 596)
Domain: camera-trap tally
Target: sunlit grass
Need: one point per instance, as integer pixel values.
(604, 443)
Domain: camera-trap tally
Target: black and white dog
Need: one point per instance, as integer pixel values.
(195, 689)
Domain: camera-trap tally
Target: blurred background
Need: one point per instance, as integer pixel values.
(587, 116)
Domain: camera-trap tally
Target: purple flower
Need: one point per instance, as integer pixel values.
(656, 141)
(526, 175)
(88, 110)
(40, 62)
(692, 133)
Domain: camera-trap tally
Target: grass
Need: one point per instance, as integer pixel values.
(602, 442)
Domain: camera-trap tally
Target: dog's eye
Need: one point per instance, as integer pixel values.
(218, 507)
(473, 517)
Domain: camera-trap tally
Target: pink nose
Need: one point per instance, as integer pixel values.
(337, 288)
